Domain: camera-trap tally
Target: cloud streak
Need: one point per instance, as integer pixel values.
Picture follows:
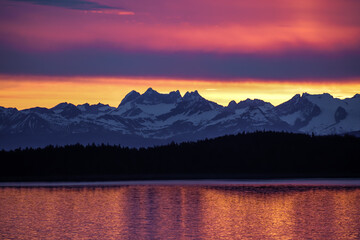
(70, 4)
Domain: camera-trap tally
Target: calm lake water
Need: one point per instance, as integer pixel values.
(182, 210)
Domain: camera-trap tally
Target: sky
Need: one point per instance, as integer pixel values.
(81, 51)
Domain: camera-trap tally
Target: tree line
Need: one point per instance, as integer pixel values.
(245, 155)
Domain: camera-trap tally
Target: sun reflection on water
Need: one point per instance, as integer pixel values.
(180, 212)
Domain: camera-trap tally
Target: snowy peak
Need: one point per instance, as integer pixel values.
(196, 101)
(94, 109)
(232, 105)
(324, 98)
(3, 109)
(321, 113)
(193, 96)
(253, 103)
(175, 95)
(150, 94)
(60, 106)
(296, 103)
(148, 105)
(150, 91)
(70, 111)
(298, 111)
(150, 97)
(323, 95)
(296, 98)
(39, 110)
(305, 94)
(130, 97)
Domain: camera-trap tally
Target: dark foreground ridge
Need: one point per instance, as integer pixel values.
(251, 155)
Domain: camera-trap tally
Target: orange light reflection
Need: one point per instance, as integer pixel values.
(182, 212)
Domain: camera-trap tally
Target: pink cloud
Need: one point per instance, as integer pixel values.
(192, 25)
(112, 11)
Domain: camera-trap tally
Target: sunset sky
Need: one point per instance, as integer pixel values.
(81, 51)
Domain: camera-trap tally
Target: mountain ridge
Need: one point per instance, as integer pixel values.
(154, 118)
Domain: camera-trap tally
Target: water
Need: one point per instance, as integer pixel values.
(182, 210)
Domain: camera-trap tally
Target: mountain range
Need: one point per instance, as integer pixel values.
(154, 118)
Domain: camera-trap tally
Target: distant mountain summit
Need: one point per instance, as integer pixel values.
(154, 118)
(321, 114)
(150, 97)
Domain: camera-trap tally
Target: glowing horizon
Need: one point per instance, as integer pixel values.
(44, 91)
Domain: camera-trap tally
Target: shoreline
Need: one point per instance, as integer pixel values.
(351, 182)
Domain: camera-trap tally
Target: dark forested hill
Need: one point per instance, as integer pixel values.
(252, 155)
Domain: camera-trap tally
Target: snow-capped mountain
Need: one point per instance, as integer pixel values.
(321, 114)
(153, 118)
